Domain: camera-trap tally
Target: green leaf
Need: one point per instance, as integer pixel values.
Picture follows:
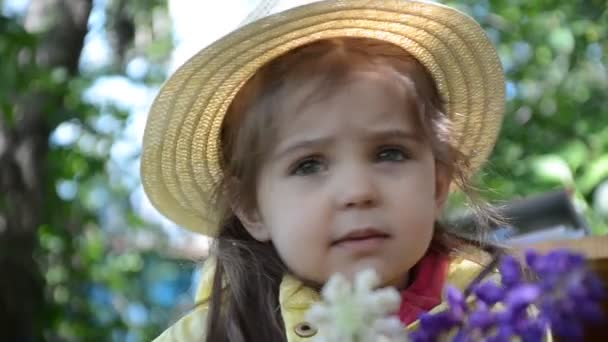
(562, 40)
(575, 153)
(593, 174)
(552, 169)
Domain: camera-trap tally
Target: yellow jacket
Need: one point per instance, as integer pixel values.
(295, 300)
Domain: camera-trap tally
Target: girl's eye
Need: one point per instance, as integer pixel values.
(392, 154)
(308, 167)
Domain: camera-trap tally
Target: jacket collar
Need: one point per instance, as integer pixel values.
(295, 298)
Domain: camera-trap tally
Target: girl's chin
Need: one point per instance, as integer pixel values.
(387, 277)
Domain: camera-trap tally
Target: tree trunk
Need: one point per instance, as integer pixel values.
(23, 182)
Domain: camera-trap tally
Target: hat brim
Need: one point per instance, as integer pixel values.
(180, 163)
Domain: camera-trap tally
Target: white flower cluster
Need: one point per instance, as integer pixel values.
(359, 313)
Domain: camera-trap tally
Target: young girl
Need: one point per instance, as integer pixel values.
(322, 140)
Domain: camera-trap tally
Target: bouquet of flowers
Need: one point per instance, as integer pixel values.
(559, 295)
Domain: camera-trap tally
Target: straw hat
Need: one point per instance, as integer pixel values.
(180, 163)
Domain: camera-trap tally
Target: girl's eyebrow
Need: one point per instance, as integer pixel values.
(378, 135)
(302, 144)
(394, 133)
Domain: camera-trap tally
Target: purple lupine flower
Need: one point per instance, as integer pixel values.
(510, 271)
(462, 336)
(552, 313)
(564, 260)
(482, 318)
(489, 292)
(570, 292)
(456, 301)
(564, 291)
(532, 330)
(504, 334)
(553, 266)
(433, 325)
(442, 321)
(581, 300)
(595, 286)
(569, 329)
(422, 335)
(521, 296)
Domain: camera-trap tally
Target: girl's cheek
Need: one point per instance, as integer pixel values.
(308, 183)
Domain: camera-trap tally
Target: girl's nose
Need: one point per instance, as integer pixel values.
(356, 189)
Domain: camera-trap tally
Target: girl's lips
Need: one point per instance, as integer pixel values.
(362, 240)
(361, 234)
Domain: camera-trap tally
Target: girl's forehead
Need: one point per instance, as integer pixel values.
(320, 92)
(320, 86)
(369, 99)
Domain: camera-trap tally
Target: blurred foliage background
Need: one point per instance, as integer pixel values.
(80, 261)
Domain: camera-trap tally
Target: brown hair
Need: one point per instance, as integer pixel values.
(244, 303)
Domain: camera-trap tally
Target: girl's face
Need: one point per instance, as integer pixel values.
(351, 183)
